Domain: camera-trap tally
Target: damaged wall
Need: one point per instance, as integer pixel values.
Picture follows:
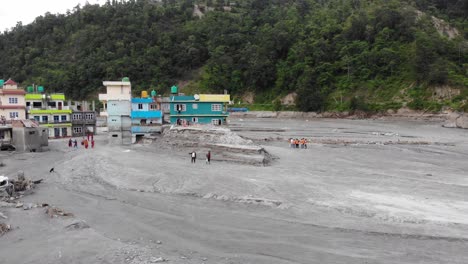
(30, 138)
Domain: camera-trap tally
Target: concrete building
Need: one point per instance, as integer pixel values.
(83, 118)
(117, 108)
(29, 136)
(83, 123)
(166, 108)
(12, 103)
(50, 111)
(199, 109)
(147, 115)
(115, 91)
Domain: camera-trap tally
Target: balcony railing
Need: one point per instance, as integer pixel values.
(54, 122)
(48, 108)
(84, 121)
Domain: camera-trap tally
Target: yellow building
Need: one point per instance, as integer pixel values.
(12, 103)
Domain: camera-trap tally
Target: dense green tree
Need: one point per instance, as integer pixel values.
(270, 47)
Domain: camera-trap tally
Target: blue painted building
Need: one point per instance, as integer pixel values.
(146, 115)
(116, 102)
(199, 109)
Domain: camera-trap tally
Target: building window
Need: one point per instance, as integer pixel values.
(45, 118)
(32, 132)
(195, 119)
(77, 130)
(14, 115)
(180, 107)
(167, 107)
(153, 107)
(52, 104)
(140, 106)
(216, 107)
(194, 106)
(63, 118)
(37, 118)
(37, 104)
(13, 100)
(216, 122)
(56, 118)
(89, 116)
(76, 116)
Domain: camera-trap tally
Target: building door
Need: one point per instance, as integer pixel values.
(64, 132)
(56, 132)
(59, 105)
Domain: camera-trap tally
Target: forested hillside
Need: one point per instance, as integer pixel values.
(335, 54)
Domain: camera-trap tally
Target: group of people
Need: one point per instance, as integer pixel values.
(296, 143)
(72, 143)
(85, 142)
(193, 156)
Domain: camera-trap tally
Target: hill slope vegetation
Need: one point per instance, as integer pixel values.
(334, 54)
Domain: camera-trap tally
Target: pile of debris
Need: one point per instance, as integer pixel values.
(6, 188)
(224, 144)
(56, 212)
(4, 228)
(16, 188)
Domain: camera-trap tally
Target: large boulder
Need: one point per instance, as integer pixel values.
(456, 120)
(451, 120)
(462, 121)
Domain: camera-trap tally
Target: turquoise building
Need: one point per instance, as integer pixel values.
(199, 109)
(146, 115)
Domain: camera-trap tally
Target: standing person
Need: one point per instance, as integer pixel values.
(194, 157)
(297, 143)
(87, 133)
(208, 157)
(75, 144)
(86, 143)
(305, 143)
(92, 142)
(70, 143)
(291, 142)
